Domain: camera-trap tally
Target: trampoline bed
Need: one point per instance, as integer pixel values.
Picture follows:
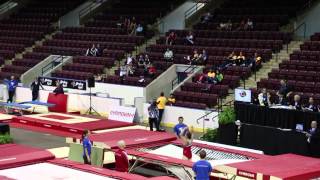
(67, 124)
(14, 155)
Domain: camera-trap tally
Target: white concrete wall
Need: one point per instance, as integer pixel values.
(311, 18)
(127, 93)
(76, 102)
(175, 19)
(161, 84)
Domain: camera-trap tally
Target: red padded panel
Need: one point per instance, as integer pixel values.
(60, 101)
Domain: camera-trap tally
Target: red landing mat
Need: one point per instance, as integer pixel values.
(286, 166)
(133, 138)
(57, 117)
(14, 155)
(76, 128)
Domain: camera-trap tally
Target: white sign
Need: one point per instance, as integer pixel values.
(123, 114)
(242, 95)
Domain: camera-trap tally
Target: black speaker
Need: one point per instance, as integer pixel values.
(4, 128)
(91, 82)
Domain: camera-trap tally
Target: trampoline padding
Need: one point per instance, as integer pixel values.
(97, 170)
(14, 155)
(132, 137)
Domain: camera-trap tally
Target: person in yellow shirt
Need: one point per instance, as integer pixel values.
(211, 76)
(161, 104)
(171, 100)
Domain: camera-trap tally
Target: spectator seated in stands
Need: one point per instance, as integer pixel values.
(151, 70)
(195, 58)
(171, 100)
(133, 26)
(190, 39)
(264, 98)
(223, 26)
(242, 25)
(249, 25)
(211, 77)
(219, 76)
(206, 18)
(146, 60)
(141, 80)
(229, 25)
(281, 100)
(139, 30)
(203, 57)
(130, 70)
(129, 59)
(123, 71)
(171, 38)
(311, 106)
(296, 102)
(126, 24)
(141, 63)
(253, 62)
(92, 51)
(168, 55)
(202, 78)
(99, 51)
(240, 59)
(230, 60)
(284, 89)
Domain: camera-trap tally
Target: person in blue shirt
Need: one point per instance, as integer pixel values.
(202, 168)
(11, 84)
(180, 128)
(86, 144)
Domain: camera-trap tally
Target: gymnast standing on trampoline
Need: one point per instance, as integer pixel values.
(86, 144)
(187, 138)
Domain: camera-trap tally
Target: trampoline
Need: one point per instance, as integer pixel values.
(14, 155)
(133, 137)
(280, 167)
(64, 124)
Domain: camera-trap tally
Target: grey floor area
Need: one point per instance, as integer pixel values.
(36, 139)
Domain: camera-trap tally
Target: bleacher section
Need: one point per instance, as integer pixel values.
(302, 72)
(264, 39)
(23, 28)
(105, 29)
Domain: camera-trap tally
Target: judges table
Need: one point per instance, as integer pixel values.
(273, 141)
(274, 117)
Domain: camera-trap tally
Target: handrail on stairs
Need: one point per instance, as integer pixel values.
(176, 81)
(302, 25)
(88, 8)
(193, 9)
(6, 6)
(57, 60)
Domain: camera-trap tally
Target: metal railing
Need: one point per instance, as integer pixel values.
(88, 9)
(7, 5)
(189, 12)
(204, 119)
(177, 79)
(302, 25)
(55, 61)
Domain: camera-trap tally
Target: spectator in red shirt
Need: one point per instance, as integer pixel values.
(171, 38)
(121, 157)
(152, 71)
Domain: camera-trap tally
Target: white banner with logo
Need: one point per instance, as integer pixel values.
(123, 114)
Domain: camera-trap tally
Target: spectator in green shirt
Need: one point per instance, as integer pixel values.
(219, 76)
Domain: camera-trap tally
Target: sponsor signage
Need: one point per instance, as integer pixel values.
(66, 83)
(123, 114)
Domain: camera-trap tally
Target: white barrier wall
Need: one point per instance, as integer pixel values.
(76, 102)
(172, 113)
(127, 93)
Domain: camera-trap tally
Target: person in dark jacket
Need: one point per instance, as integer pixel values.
(153, 116)
(59, 89)
(35, 87)
(12, 85)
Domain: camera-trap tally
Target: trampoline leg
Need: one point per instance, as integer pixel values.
(134, 165)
